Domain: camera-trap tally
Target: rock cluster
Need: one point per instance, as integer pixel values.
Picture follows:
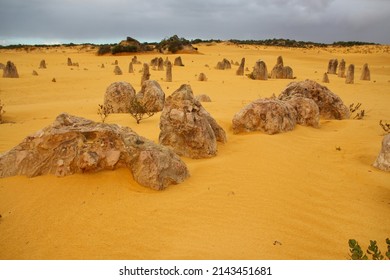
(187, 127)
(178, 61)
(10, 70)
(240, 70)
(280, 71)
(365, 73)
(330, 105)
(76, 145)
(350, 77)
(119, 96)
(151, 97)
(382, 162)
(332, 66)
(259, 71)
(223, 65)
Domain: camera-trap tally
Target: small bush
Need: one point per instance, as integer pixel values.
(385, 126)
(138, 112)
(356, 252)
(104, 111)
(353, 108)
(104, 49)
(120, 49)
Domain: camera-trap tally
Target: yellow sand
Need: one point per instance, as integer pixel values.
(286, 196)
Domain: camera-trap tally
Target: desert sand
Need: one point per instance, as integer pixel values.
(295, 195)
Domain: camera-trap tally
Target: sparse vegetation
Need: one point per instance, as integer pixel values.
(385, 126)
(2, 112)
(104, 111)
(173, 44)
(138, 112)
(356, 252)
(353, 108)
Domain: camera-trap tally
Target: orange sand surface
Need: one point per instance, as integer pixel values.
(286, 196)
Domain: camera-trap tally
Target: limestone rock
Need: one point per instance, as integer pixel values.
(365, 73)
(330, 105)
(34, 73)
(168, 73)
(280, 71)
(202, 77)
(332, 66)
(223, 65)
(270, 116)
(131, 68)
(382, 162)
(308, 113)
(341, 72)
(187, 127)
(76, 145)
(145, 73)
(178, 61)
(117, 70)
(70, 62)
(42, 64)
(160, 64)
(151, 97)
(10, 70)
(203, 98)
(134, 60)
(119, 96)
(259, 71)
(325, 78)
(240, 70)
(350, 78)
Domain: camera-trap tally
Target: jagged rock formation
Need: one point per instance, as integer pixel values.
(42, 64)
(117, 70)
(131, 68)
(280, 71)
(382, 162)
(76, 145)
(330, 105)
(240, 70)
(168, 74)
(119, 96)
(332, 66)
(341, 72)
(350, 77)
(187, 127)
(270, 116)
(203, 98)
(259, 71)
(365, 73)
(223, 65)
(308, 113)
(202, 77)
(151, 97)
(178, 61)
(325, 78)
(10, 70)
(145, 73)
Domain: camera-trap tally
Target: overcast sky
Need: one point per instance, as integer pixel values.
(100, 21)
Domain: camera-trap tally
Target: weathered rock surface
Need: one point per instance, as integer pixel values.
(382, 162)
(151, 97)
(270, 116)
(117, 70)
(325, 78)
(240, 70)
(280, 71)
(178, 61)
(366, 76)
(202, 77)
(341, 72)
(332, 66)
(42, 64)
(77, 145)
(168, 73)
(119, 96)
(259, 71)
(308, 113)
(223, 65)
(187, 127)
(203, 98)
(350, 77)
(10, 70)
(330, 105)
(145, 73)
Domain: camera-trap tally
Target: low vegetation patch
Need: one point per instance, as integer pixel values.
(356, 252)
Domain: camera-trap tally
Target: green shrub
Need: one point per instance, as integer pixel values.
(103, 49)
(356, 252)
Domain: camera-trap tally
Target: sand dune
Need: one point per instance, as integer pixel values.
(309, 189)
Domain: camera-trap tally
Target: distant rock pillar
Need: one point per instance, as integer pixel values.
(145, 73)
(365, 73)
(341, 73)
(325, 79)
(350, 74)
(332, 66)
(10, 70)
(168, 71)
(42, 65)
(240, 70)
(260, 71)
(70, 62)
